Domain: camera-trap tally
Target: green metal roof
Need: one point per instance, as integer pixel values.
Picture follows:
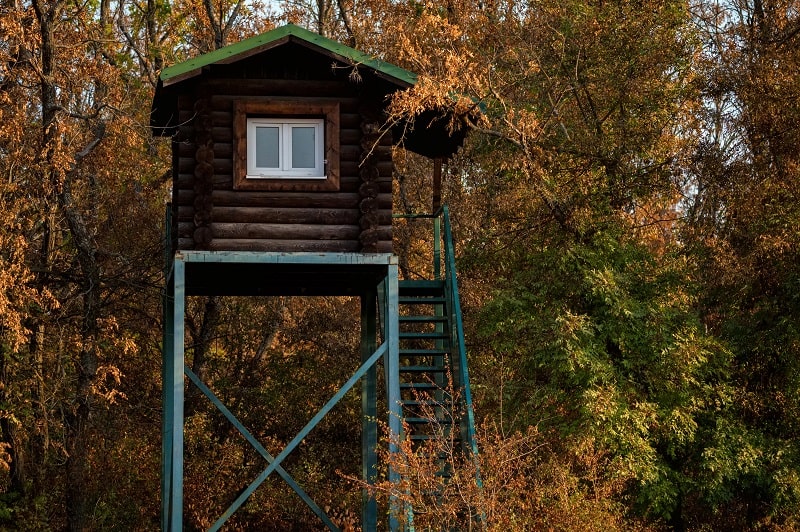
(278, 36)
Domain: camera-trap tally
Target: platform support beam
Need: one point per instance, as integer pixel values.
(166, 404)
(391, 328)
(369, 410)
(172, 433)
(385, 293)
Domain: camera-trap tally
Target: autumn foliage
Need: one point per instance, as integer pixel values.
(626, 214)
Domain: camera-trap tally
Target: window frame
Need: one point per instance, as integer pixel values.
(286, 111)
(286, 168)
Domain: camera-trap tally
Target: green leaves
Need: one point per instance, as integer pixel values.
(617, 343)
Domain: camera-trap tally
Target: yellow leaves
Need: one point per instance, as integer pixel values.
(525, 125)
(5, 457)
(106, 383)
(16, 293)
(119, 342)
(774, 246)
(573, 326)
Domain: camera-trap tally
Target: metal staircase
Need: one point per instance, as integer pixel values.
(434, 382)
(425, 353)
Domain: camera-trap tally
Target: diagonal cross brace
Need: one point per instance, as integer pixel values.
(258, 447)
(275, 464)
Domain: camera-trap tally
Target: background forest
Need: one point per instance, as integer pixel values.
(626, 217)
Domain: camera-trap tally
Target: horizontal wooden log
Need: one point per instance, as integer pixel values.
(274, 231)
(224, 181)
(224, 165)
(280, 87)
(348, 117)
(222, 134)
(277, 215)
(187, 163)
(284, 245)
(219, 181)
(221, 118)
(202, 237)
(223, 156)
(353, 136)
(383, 246)
(385, 232)
(385, 167)
(222, 150)
(284, 231)
(223, 103)
(275, 199)
(293, 199)
(355, 153)
(287, 216)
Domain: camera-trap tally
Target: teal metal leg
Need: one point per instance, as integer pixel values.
(369, 409)
(166, 415)
(175, 399)
(391, 328)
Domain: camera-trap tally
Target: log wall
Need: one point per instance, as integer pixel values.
(210, 214)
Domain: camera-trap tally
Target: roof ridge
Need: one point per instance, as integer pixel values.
(193, 67)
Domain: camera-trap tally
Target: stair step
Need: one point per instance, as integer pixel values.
(421, 288)
(427, 421)
(423, 352)
(422, 369)
(425, 403)
(429, 437)
(419, 386)
(423, 319)
(423, 336)
(403, 300)
(441, 455)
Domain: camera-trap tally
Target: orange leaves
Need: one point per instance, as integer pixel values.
(106, 383)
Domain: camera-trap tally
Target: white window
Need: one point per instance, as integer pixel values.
(290, 148)
(286, 144)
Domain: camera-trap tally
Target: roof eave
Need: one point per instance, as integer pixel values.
(241, 50)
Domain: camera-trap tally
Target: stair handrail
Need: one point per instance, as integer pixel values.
(441, 217)
(443, 234)
(451, 282)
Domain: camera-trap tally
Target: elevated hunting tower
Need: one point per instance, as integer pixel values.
(282, 185)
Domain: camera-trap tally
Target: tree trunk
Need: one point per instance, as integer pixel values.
(77, 416)
(201, 344)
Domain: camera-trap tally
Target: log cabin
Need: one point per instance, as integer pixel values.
(280, 143)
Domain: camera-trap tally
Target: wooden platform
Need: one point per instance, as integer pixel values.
(240, 273)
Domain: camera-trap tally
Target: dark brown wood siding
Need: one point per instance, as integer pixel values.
(211, 214)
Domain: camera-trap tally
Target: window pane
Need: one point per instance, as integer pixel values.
(267, 147)
(303, 147)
